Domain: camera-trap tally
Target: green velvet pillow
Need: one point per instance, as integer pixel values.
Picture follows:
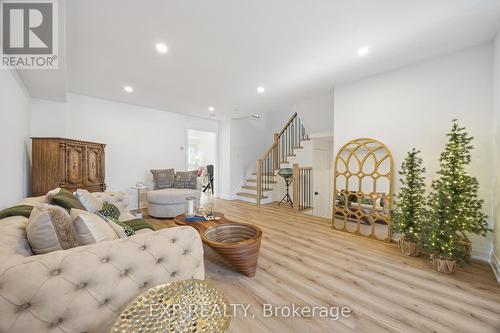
(66, 200)
(110, 211)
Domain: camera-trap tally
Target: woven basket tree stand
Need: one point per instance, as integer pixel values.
(409, 248)
(443, 265)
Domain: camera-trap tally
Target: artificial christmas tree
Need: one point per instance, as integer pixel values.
(409, 210)
(454, 208)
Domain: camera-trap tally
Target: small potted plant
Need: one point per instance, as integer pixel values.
(409, 210)
(454, 208)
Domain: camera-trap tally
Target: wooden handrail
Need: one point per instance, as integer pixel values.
(283, 146)
(287, 124)
(278, 136)
(268, 151)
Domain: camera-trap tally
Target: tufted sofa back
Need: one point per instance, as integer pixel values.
(119, 199)
(84, 289)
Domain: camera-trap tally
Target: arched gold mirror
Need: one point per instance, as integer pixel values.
(363, 189)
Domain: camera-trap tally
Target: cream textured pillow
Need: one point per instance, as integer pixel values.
(91, 228)
(119, 230)
(88, 200)
(50, 229)
(53, 193)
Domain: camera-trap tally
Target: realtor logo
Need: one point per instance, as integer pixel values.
(29, 34)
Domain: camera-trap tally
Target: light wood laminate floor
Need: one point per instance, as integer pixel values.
(303, 261)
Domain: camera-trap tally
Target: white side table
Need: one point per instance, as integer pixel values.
(138, 213)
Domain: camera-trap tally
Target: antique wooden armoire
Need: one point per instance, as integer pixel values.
(66, 163)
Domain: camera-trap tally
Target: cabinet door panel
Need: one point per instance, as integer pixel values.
(94, 175)
(75, 165)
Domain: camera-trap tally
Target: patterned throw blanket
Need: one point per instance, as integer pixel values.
(21, 210)
(138, 224)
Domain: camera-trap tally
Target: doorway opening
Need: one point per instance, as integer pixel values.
(202, 150)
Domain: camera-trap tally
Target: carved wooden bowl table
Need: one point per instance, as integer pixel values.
(238, 243)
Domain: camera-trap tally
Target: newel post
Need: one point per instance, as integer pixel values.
(258, 174)
(296, 187)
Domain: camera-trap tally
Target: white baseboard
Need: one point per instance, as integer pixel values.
(481, 256)
(495, 265)
(226, 197)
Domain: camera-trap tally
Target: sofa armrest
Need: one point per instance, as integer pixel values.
(85, 288)
(119, 199)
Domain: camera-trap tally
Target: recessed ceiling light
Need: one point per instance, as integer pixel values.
(161, 48)
(211, 109)
(363, 51)
(261, 90)
(256, 116)
(128, 89)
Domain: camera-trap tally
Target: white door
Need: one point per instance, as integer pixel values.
(322, 175)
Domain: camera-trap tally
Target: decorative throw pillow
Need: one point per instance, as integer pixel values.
(110, 211)
(186, 179)
(67, 200)
(163, 178)
(53, 193)
(88, 200)
(120, 228)
(49, 229)
(91, 228)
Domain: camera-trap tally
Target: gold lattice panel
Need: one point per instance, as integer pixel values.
(363, 189)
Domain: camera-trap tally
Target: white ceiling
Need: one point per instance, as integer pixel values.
(221, 50)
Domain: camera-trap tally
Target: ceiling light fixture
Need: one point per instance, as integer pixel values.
(161, 48)
(128, 89)
(256, 116)
(364, 51)
(211, 109)
(261, 90)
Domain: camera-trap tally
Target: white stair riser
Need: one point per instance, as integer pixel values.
(247, 190)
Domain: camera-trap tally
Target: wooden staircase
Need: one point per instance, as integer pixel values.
(260, 183)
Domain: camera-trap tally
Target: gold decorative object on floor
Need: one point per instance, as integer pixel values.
(363, 189)
(180, 307)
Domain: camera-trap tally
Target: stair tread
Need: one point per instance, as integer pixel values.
(255, 180)
(250, 195)
(249, 187)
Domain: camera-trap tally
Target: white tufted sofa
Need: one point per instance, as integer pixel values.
(85, 288)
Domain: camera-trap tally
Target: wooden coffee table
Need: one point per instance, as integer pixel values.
(238, 243)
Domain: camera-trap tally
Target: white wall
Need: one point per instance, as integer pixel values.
(138, 139)
(316, 113)
(496, 149)
(414, 106)
(14, 133)
(225, 159)
(249, 139)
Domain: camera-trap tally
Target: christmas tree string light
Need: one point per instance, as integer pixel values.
(410, 203)
(454, 207)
